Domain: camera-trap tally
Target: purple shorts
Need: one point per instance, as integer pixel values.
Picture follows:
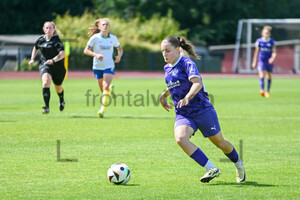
(265, 67)
(206, 122)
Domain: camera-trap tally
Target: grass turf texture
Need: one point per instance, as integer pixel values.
(142, 137)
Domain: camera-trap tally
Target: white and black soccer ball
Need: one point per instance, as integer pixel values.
(118, 173)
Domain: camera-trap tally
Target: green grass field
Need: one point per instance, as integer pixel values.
(142, 137)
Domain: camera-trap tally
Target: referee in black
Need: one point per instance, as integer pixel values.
(51, 64)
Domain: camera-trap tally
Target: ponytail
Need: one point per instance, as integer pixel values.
(94, 28)
(185, 45)
(188, 47)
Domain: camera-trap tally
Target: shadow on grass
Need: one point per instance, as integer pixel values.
(132, 185)
(84, 116)
(247, 183)
(124, 117)
(7, 121)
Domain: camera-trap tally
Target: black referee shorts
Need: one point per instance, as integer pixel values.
(57, 72)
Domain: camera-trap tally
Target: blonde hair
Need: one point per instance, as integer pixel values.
(52, 23)
(268, 28)
(95, 27)
(185, 45)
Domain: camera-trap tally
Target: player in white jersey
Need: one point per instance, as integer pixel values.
(101, 46)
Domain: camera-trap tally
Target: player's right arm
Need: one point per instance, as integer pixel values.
(88, 51)
(255, 57)
(163, 101)
(33, 55)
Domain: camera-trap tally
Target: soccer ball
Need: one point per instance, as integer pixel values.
(118, 173)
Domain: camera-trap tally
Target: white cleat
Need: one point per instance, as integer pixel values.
(210, 174)
(240, 173)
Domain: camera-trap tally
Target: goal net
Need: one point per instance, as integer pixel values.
(285, 32)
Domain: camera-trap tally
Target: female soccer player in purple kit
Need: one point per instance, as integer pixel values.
(266, 52)
(193, 109)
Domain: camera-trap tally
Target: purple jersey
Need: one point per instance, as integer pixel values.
(178, 81)
(265, 49)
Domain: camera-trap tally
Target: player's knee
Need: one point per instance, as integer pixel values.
(181, 140)
(46, 82)
(105, 86)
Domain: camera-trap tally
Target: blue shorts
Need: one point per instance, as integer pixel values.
(265, 67)
(99, 73)
(207, 123)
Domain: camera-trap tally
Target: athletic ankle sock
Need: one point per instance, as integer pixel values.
(269, 84)
(209, 165)
(105, 101)
(238, 163)
(233, 156)
(199, 157)
(61, 96)
(262, 83)
(46, 95)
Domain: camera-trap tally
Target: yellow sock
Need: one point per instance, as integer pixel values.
(105, 100)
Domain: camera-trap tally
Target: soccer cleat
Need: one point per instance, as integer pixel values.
(240, 174)
(267, 95)
(100, 114)
(45, 110)
(210, 174)
(262, 93)
(62, 106)
(112, 90)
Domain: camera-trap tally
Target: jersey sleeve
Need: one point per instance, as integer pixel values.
(36, 44)
(91, 42)
(59, 45)
(273, 42)
(256, 43)
(191, 69)
(116, 42)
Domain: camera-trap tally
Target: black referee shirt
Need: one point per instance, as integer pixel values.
(49, 48)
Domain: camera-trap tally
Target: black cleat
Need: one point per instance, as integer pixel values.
(62, 106)
(45, 110)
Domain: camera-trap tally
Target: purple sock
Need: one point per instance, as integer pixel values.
(233, 156)
(262, 83)
(269, 84)
(199, 157)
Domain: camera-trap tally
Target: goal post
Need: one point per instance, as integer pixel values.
(285, 32)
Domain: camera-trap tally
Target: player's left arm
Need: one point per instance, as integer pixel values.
(274, 53)
(120, 53)
(196, 87)
(56, 58)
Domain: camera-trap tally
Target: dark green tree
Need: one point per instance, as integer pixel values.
(28, 16)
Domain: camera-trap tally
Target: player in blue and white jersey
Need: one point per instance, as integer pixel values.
(192, 107)
(101, 46)
(264, 56)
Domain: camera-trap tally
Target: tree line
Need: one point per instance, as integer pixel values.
(207, 22)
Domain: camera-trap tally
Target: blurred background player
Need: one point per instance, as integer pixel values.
(266, 52)
(51, 64)
(101, 46)
(193, 109)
